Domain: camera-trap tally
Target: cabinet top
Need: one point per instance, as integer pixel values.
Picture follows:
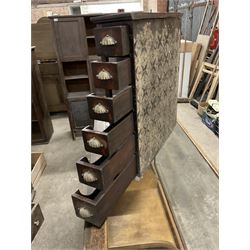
(70, 16)
(128, 16)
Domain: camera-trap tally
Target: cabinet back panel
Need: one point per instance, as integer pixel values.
(51, 91)
(75, 68)
(77, 85)
(36, 131)
(91, 46)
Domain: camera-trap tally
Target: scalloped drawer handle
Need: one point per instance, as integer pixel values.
(37, 223)
(104, 75)
(84, 212)
(94, 143)
(108, 40)
(88, 176)
(100, 109)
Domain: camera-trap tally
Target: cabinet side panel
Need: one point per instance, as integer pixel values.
(156, 57)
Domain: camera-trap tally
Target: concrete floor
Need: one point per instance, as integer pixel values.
(204, 138)
(193, 191)
(61, 228)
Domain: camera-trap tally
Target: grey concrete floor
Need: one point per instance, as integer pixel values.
(204, 138)
(61, 228)
(193, 191)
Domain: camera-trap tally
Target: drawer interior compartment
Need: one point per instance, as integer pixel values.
(102, 172)
(95, 207)
(110, 140)
(91, 45)
(111, 75)
(75, 68)
(110, 109)
(112, 41)
(77, 85)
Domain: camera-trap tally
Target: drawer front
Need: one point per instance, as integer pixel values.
(95, 208)
(110, 140)
(49, 68)
(111, 75)
(102, 172)
(36, 219)
(110, 109)
(112, 41)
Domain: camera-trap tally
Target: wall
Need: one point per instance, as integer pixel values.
(112, 7)
(37, 13)
(155, 5)
(40, 9)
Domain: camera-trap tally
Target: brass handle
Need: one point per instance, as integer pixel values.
(89, 176)
(94, 143)
(100, 109)
(37, 222)
(108, 40)
(104, 75)
(84, 212)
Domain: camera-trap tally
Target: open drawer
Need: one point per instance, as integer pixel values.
(111, 75)
(110, 109)
(96, 207)
(112, 41)
(110, 140)
(102, 172)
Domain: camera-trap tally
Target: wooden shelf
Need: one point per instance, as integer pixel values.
(82, 94)
(74, 77)
(90, 37)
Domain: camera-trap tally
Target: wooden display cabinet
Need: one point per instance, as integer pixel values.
(69, 34)
(75, 46)
(42, 128)
(42, 38)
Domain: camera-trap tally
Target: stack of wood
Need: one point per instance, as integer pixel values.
(201, 60)
(205, 79)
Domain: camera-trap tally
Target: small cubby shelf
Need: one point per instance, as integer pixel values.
(78, 85)
(75, 68)
(74, 77)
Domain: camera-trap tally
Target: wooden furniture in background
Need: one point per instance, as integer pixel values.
(42, 128)
(78, 112)
(37, 219)
(38, 164)
(42, 38)
(74, 42)
(52, 86)
(75, 48)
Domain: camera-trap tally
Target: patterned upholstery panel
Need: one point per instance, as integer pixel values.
(156, 55)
